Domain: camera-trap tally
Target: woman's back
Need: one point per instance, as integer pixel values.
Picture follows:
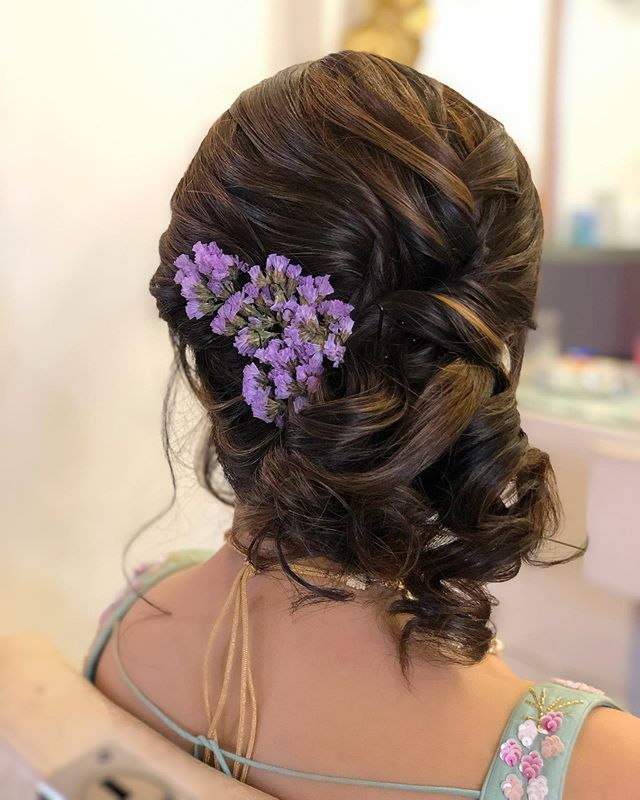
(331, 698)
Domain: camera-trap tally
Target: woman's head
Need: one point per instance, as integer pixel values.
(410, 462)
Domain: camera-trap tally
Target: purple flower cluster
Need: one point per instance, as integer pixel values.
(276, 315)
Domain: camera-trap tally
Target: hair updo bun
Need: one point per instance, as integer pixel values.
(410, 463)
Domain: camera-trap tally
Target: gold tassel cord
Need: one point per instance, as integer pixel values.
(246, 682)
(213, 719)
(239, 599)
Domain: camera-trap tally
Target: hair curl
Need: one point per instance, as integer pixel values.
(410, 464)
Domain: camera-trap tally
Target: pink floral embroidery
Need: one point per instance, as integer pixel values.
(527, 732)
(551, 721)
(551, 746)
(583, 687)
(512, 787)
(546, 719)
(537, 788)
(510, 752)
(531, 765)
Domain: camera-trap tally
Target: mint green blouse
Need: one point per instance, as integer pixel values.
(531, 759)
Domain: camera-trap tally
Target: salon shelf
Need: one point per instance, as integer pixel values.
(589, 256)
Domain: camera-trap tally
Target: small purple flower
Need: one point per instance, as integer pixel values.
(251, 291)
(276, 353)
(302, 377)
(342, 327)
(305, 315)
(510, 752)
(256, 391)
(257, 276)
(212, 261)
(286, 356)
(308, 350)
(234, 303)
(276, 263)
(219, 325)
(194, 309)
(240, 265)
(243, 342)
(252, 377)
(300, 402)
(185, 267)
(335, 308)
(307, 289)
(323, 285)
(308, 368)
(294, 271)
(216, 287)
(204, 254)
(222, 322)
(291, 335)
(260, 404)
(266, 295)
(286, 309)
(190, 285)
(282, 381)
(333, 351)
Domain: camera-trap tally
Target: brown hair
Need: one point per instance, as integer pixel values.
(410, 464)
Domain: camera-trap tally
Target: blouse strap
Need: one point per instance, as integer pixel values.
(221, 755)
(146, 575)
(537, 741)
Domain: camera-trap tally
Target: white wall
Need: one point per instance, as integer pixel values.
(493, 52)
(600, 114)
(103, 104)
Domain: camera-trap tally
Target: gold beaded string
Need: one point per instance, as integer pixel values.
(353, 581)
(213, 718)
(246, 682)
(240, 613)
(357, 582)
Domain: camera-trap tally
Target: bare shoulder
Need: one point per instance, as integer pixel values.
(606, 758)
(137, 646)
(159, 645)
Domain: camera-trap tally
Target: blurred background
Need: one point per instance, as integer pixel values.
(102, 106)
